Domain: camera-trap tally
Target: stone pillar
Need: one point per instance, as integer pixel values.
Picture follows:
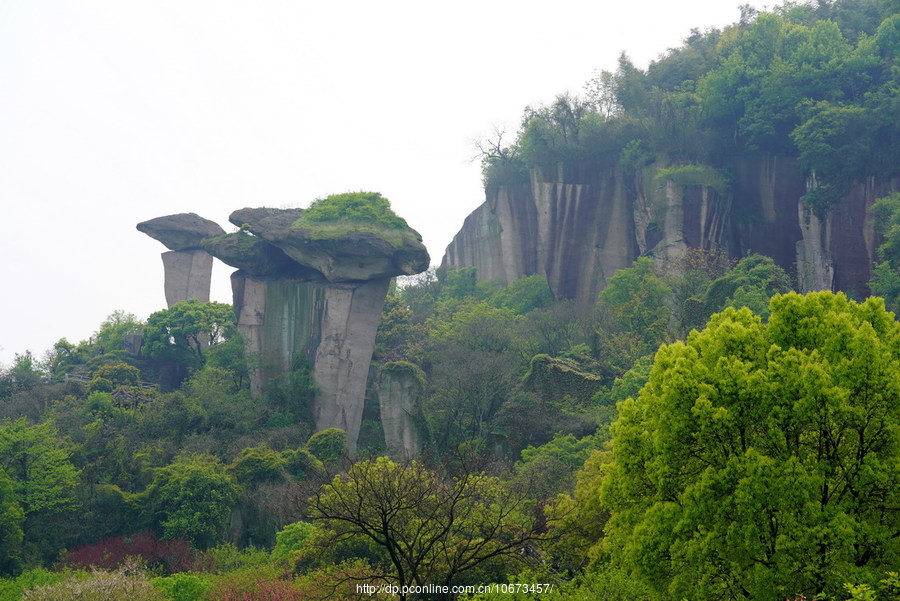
(188, 275)
(350, 317)
(399, 387)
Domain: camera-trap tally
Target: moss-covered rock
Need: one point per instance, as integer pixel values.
(555, 378)
(361, 245)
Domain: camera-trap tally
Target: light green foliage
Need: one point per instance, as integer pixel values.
(550, 468)
(11, 589)
(40, 466)
(192, 499)
(433, 529)
(695, 175)
(25, 374)
(184, 586)
(11, 521)
(329, 446)
(523, 295)
(255, 465)
(357, 207)
(886, 277)
(759, 459)
(112, 332)
(291, 539)
(126, 583)
(634, 300)
(188, 326)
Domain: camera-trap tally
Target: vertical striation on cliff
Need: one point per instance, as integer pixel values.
(577, 224)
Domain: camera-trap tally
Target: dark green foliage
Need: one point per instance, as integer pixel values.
(256, 465)
(12, 519)
(886, 278)
(561, 378)
(303, 465)
(328, 446)
(750, 283)
(187, 328)
(356, 207)
(191, 499)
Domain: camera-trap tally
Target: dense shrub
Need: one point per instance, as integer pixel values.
(112, 553)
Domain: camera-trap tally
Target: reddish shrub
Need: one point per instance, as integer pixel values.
(110, 553)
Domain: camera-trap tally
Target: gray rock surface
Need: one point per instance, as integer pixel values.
(399, 387)
(188, 275)
(577, 224)
(182, 231)
(352, 255)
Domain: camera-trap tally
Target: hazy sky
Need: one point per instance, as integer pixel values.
(114, 112)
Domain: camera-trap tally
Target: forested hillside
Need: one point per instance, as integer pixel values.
(695, 430)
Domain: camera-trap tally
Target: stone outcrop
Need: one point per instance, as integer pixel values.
(339, 253)
(304, 301)
(399, 387)
(577, 224)
(188, 268)
(183, 231)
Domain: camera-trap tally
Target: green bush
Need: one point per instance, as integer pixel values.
(11, 589)
(184, 586)
(329, 446)
(291, 539)
(364, 207)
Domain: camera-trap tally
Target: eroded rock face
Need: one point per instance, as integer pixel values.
(577, 225)
(399, 387)
(182, 231)
(301, 298)
(342, 256)
(188, 275)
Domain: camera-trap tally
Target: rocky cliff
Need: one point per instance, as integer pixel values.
(577, 224)
(307, 293)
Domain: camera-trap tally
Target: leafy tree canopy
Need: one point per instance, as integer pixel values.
(760, 459)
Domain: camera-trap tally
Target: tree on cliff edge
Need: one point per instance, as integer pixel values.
(190, 326)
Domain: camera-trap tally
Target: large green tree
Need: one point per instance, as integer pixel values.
(761, 460)
(190, 326)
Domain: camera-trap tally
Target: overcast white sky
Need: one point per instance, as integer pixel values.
(117, 111)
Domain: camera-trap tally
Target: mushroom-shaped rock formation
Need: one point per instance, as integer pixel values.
(184, 231)
(309, 291)
(187, 267)
(347, 237)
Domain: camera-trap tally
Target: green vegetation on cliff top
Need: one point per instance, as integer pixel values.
(340, 214)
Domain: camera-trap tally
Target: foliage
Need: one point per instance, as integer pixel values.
(113, 553)
(255, 465)
(432, 528)
(43, 476)
(550, 468)
(328, 446)
(886, 277)
(750, 283)
(291, 539)
(695, 175)
(125, 583)
(24, 374)
(184, 586)
(192, 499)
(12, 589)
(11, 520)
(759, 458)
(189, 326)
(357, 207)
